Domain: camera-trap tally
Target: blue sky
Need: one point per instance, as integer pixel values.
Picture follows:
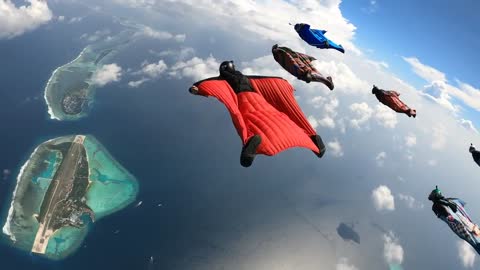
(440, 34)
(379, 165)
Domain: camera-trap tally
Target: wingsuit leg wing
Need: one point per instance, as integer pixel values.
(279, 93)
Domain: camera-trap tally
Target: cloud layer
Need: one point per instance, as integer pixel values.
(15, 21)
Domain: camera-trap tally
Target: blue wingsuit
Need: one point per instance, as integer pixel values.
(316, 37)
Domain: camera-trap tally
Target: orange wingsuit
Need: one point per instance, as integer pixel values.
(263, 108)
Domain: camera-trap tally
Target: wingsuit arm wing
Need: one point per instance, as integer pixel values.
(222, 91)
(279, 93)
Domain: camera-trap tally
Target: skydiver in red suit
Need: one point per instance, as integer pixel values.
(391, 100)
(264, 112)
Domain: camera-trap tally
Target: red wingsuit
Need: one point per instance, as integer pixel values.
(270, 110)
(391, 100)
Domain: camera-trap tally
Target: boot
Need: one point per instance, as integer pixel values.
(317, 140)
(249, 151)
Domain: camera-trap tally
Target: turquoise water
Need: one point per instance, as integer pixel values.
(111, 188)
(76, 75)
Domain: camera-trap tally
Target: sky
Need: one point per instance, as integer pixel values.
(379, 166)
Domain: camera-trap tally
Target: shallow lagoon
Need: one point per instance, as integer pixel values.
(111, 188)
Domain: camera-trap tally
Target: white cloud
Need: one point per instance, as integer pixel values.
(362, 112)
(466, 254)
(380, 159)
(428, 73)
(410, 201)
(107, 74)
(410, 140)
(383, 199)
(75, 19)
(327, 121)
(343, 264)
(154, 70)
(61, 18)
(195, 68)
(392, 250)
(335, 148)
(442, 92)
(15, 21)
(345, 79)
(137, 83)
(468, 124)
(439, 137)
(313, 122)
(162, 35)
(268, 19)
(385, 116)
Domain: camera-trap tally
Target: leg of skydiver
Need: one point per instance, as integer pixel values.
(319, 78)
(249, 151)
(317, 140)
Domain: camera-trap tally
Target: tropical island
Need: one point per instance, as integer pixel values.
(67, 184)
(69, 92)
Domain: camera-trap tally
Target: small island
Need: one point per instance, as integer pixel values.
(65, 185)
(69, 92)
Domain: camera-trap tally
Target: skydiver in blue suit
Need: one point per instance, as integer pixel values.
(316, 37)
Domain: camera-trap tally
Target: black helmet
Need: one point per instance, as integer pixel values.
(274, 47)
(227, 66)
(435, 194)
(374, 89)
(298, 26)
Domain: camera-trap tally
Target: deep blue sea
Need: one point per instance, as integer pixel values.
(164, 136)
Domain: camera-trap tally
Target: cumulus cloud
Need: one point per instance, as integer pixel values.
(441, 91)
(162, 35)
(265, 18)
(383, 199)
(380, 159)
(410, 201)
(345, 79)
(154, 70)
(392, 250)
(410, 140)
(195, 68)
(335, 148)
(362, 113)
(385, 116)
(149, 71)
(15, 21)
(343, 264)
(107, 74)
(327, 121)
(466, 254)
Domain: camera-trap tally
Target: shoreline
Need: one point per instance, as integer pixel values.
(6, 227)
(49, 107)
